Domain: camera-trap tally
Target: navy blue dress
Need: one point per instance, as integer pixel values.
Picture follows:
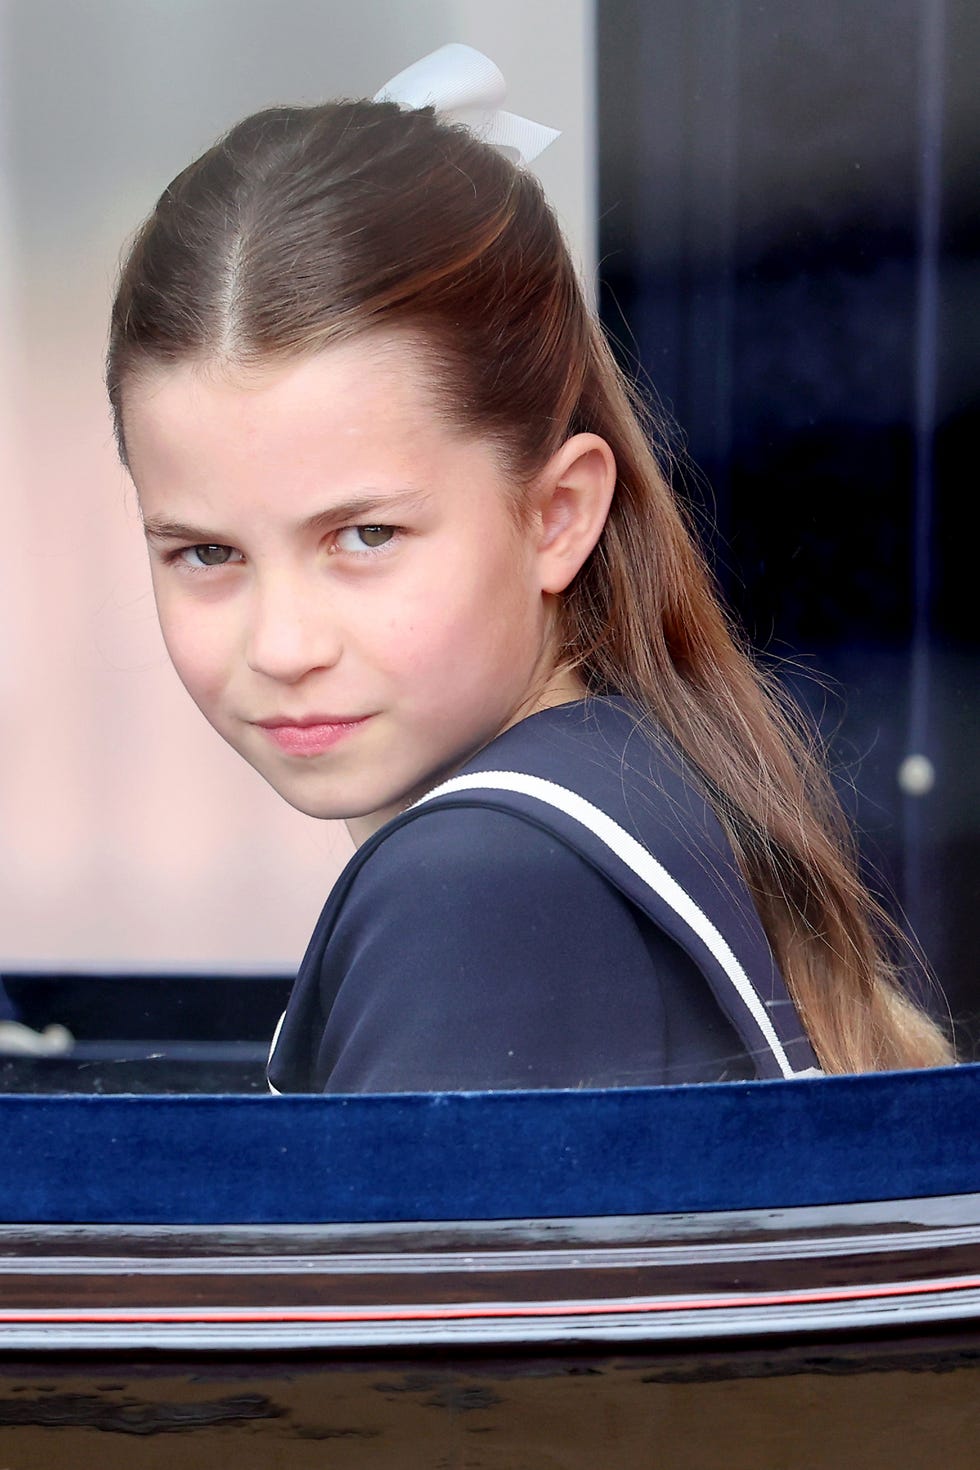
(565, 913)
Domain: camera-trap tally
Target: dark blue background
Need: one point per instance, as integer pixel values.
(770, 250)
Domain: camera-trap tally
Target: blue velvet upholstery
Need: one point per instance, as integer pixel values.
(200, 1160)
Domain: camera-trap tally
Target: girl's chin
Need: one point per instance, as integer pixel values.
(371, 810)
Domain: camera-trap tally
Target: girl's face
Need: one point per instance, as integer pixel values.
(342, 583)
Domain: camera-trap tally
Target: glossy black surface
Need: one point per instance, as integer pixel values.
(893, 1266)
(812, 1406)
(470, 1391)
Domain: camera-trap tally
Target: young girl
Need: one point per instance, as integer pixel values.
(416, 561)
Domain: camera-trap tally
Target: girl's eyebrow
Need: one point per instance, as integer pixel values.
(371, 506)
(347, 513)
(164, 530)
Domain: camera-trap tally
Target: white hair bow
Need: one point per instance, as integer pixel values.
(464, 86)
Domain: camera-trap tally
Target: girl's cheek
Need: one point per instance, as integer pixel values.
(419, 639)
(198, 649)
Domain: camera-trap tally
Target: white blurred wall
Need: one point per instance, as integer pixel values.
(131, 837)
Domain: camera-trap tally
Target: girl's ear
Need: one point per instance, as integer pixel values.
(573, 494)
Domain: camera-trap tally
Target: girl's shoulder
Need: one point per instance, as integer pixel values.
(603, 751)
(604, 779)
(612, 755)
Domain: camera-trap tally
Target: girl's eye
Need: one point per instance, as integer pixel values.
(207, 556)
(358, 539)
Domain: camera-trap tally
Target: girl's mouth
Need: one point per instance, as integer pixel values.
(311, 737)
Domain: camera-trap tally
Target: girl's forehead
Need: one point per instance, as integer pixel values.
(371, 392)
(396, 369)
(290, 438)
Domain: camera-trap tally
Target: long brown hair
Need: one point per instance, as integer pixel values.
(307, 226)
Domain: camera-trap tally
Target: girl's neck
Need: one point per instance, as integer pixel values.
(562, 687)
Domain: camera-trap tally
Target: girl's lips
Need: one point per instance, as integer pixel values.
(312, 739)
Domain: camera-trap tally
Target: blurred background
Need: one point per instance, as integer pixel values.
(781, 202)
(790, 248)
(136, 846)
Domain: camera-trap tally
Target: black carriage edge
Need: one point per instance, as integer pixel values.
(649, 1215)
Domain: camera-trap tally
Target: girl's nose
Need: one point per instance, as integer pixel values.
(291, 630)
